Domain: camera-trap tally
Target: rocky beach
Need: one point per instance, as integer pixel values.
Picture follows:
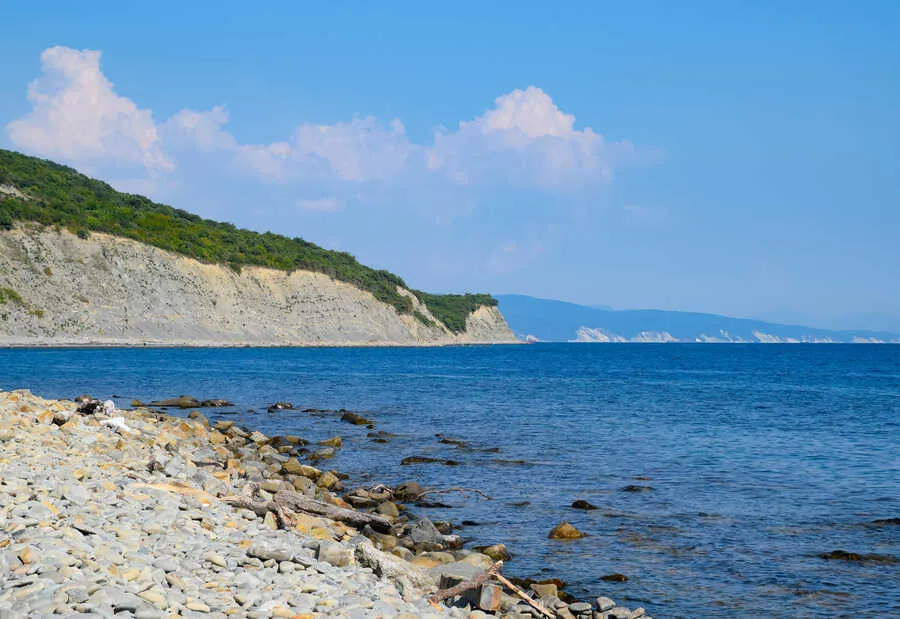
(109, 512)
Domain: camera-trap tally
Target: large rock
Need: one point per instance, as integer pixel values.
(183, 401)
(565, 531)
(424, 532)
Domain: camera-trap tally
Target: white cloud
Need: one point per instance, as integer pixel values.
(523, 141)
(526, 140)
(200, 130)
(77, 116)
(321, 205)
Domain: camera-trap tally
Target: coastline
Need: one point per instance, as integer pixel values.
(23, 345)
(75, 477)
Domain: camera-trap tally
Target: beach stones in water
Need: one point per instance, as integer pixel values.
(565, 531)
(843, 555)
(635, 488)
(427, 460)
(582, 504)
(881, 522)
(183, 401)
(615, 577)
(334, 441)
(356, 419)
(280, 406)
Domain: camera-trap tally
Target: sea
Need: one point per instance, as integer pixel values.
(744, 462)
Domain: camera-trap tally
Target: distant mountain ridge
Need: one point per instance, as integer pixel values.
(559, 321)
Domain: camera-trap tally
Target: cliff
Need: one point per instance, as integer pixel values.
(57, 288)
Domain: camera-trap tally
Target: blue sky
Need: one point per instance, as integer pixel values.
(738, 158)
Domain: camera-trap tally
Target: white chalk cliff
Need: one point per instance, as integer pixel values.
(106, 290)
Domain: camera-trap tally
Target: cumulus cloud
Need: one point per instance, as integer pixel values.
(524, 141)
(77, 116)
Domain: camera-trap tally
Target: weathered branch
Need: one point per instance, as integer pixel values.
(285, 502)
(527, 598)
(464, 586)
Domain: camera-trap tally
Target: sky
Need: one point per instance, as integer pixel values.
(740, 158)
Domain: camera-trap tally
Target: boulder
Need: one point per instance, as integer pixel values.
(497, 552)
(565, 531)
(183, 401)
(424, 532)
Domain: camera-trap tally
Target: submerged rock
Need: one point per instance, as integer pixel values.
(582, 504)
(356, 419)
(280, 406)
(843, 555)
(615, 577)
(184, 401)
(427, 460)
(634, 488)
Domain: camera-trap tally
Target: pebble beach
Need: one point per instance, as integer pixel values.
(125, 513)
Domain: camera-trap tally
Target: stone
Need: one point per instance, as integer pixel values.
(565, 531)
(334, 553)
(580, 608)
(615, 577)
(388, 509)
(215, 559)
(270, 522)
(604, 604)
(265, 552)
(197, 606)
(199, 418)
(637, 613)
(355, 418)
(258, 437)
(635, 488)
(334, 441)
(183, 401)
(424, 532)
(545, 590)
(497, 552)
(582, 504)
(327, 480)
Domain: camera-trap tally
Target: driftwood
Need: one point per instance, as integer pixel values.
(492, 572)
(285, 503)
(464, 586)
(525, 596)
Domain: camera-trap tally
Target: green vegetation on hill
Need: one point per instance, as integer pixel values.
(60, 196)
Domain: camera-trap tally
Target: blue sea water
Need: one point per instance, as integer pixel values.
(759, 457)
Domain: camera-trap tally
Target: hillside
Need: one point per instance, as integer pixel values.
(81, 263)
(51, 194)
(558, 321)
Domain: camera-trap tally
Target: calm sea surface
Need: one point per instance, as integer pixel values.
(759, 457)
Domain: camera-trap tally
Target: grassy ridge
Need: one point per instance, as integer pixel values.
(63, 197)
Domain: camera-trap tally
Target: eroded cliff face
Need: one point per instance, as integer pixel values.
(106, 290)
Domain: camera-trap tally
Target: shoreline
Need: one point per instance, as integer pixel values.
(182, 463)
(141, 344)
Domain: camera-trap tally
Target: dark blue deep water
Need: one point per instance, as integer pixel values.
(760, 457)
